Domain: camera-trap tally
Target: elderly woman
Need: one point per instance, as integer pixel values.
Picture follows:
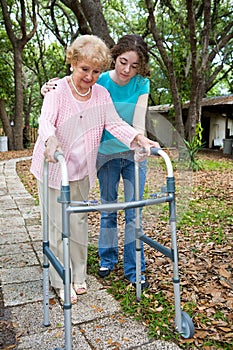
(72, 120)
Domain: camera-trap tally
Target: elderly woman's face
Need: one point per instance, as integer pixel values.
(85, 74)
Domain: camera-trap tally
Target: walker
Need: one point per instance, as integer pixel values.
(183, 322)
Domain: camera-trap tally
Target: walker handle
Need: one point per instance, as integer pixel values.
(155, 151)
(59, 156)
(160, 152)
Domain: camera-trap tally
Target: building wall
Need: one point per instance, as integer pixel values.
(213, 119)
(160, 129)
(230, 127)
(217, 130)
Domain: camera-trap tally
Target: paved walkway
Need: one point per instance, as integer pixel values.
(97, 320)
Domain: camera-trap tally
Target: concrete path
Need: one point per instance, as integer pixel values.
(97, 320)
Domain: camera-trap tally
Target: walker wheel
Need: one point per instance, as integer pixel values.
(187, 325)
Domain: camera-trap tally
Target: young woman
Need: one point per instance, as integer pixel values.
(72, 120)
(129, 87)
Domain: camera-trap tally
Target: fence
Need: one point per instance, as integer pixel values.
(31, 134)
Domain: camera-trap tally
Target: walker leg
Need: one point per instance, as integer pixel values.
(176, 280)
(183, 322)
(63, 271)
(137, 233)
(138, 269)
(67, 271)
(46, 321)
(67, 300)
(45, 220)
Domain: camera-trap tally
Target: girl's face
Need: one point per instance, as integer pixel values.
(85, 74)
(126, 66)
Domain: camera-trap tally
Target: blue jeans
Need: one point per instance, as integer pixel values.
(109, 171)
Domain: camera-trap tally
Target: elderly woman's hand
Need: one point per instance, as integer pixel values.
(52, 145)
(147, 144)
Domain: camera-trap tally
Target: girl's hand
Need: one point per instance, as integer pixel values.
(50, 85)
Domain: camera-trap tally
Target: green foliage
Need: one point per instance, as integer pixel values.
(41, 63)
(58, 23)
(193, 147)
(92, 259)
(124, 17)
(211, 164)
(6, 67)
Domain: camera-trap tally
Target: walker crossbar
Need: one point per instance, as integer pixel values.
(117, 206)
(165, 251)
(54, 261)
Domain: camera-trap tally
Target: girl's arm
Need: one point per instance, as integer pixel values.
(126, 133)
(139, 118)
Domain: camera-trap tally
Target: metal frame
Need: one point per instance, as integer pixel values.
(48, 256)
(183, 322)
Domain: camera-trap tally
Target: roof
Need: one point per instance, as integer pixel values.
(208, 101)
(161, 108)
(213, 101)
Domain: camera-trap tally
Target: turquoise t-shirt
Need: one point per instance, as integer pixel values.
(125, 99)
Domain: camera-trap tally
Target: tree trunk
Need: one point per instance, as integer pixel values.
(92, 10)
(199, 64)
(18, 45)
(18, 120)
(90, 18)
(6, 124)
(170, 70)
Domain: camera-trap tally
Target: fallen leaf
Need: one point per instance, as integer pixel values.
(224, 273)
(225, 329)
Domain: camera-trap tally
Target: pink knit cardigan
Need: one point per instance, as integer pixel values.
(62, 114)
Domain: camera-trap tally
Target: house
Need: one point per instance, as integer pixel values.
(217, 122)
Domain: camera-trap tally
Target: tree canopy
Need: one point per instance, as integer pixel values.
(190, 45)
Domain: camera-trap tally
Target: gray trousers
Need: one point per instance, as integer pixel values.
(78, 232)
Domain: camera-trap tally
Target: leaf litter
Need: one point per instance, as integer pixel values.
(204, 238)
